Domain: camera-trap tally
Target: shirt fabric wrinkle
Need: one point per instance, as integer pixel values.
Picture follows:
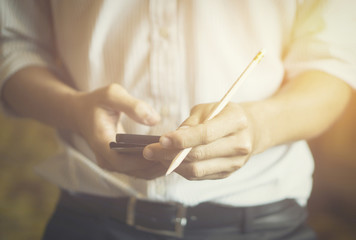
(174, 55)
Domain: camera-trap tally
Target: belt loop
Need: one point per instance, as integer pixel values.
(130, 211)
(247, 219)
(180, 220)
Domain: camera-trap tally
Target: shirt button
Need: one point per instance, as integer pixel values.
(163, 33)
(165, 111)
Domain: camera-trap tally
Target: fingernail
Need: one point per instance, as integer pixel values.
(147, 153)
(183, 127)
(165, 141)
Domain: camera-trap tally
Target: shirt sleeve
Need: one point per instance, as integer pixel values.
(324, 39)
(25, 38)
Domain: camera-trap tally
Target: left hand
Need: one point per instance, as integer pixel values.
(221, 145)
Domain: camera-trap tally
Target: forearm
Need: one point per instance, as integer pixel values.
(302, 109)
(36, 93)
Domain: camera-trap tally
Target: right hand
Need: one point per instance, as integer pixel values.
(97, 120)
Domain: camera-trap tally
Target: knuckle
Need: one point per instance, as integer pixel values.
(236, 165)
(180, 141)
(243, 122)
(239, 150)
(195, 108)
(191, 121)
(115, 88)
(197, 154)
(243, 149)
(111, 90)
(247, 148)
(210, 134)
(224, 175)
(190, 178)
(196, 172)
(207, 134)
(236, 149)
(201, 109)
(192, 172)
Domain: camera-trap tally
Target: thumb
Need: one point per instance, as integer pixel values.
(117, 98)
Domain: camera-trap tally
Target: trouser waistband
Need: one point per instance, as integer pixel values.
(168, 218)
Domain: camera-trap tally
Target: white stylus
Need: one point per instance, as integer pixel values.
(220, 106)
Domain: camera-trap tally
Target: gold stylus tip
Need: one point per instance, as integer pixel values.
(259, 56)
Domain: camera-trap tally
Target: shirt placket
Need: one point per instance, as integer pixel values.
(164, 72)
(164, 66)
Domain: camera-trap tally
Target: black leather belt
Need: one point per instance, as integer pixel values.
(171, 218)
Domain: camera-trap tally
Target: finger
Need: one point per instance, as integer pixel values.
(124, 163)
(199, 114)
(230, 146)
(155, 152)
(216, 176)
(111, 159)
(119, 162)
(211, 167)
(118, 98)
(228, 122)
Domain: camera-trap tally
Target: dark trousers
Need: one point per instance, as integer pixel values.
(69, 221)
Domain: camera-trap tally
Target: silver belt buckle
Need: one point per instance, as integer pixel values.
(180, 220)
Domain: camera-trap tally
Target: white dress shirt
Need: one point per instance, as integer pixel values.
(174, 55)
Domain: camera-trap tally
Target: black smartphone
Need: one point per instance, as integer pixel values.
(132, 143)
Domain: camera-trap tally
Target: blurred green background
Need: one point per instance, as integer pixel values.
(26, 200)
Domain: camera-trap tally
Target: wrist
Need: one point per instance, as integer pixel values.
(73, 109)
(258, 117)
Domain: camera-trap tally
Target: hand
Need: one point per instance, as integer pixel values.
(221, 145)
(97, 120)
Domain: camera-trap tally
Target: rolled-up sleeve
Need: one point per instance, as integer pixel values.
(25, 39)
(324, 39)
